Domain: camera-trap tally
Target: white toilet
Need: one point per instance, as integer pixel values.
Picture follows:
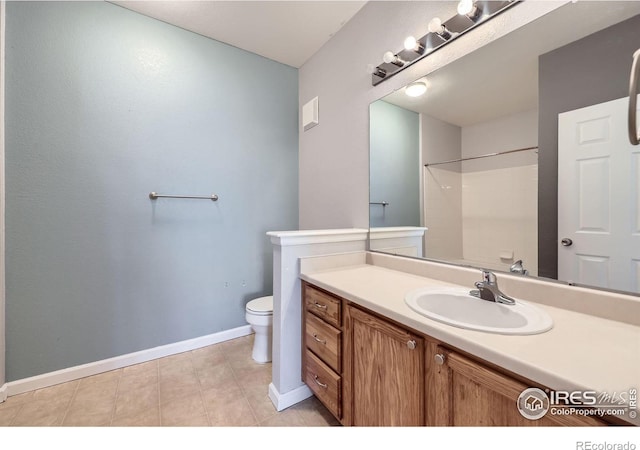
(259, 314)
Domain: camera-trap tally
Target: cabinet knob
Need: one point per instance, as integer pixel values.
(439, 358)
(411, 344)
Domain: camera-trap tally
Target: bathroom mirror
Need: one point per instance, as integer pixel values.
(535, 200)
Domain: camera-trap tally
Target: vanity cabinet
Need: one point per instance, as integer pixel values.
(371, 371)
(322, 346)
(383, 372)
(467, 393)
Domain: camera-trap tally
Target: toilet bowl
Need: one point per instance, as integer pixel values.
(259, 314)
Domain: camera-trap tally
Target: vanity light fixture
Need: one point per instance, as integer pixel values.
(377, 71)
(472, 13)
(470, 9)
(416, 89)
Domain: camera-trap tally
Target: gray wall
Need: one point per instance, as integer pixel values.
(103, 106)
(334, 156)
(394, 165)
(442, 141)
(592, 70)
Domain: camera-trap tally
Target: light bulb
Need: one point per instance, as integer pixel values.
(410, 43)
(388, 57)
(435, 25)
(470, 9)
(416, 89)
(465, 7)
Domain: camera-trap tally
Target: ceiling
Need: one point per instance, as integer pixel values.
(502, 77)
(289, 32)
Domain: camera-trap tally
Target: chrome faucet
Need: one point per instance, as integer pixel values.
(518, 268)
(488, 290)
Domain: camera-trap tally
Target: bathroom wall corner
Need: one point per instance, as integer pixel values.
(3, 391)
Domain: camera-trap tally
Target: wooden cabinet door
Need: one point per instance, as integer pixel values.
(470, 394)
(383, 372)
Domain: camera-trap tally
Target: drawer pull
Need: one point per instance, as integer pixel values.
(322, 385)
(320, 306)
(315, 336)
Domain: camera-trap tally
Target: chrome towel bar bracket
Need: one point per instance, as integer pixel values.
(155, 195)
(634, 136)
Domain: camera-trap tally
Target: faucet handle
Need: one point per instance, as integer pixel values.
(488, 277)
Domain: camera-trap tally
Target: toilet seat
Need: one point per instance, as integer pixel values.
(262, 306)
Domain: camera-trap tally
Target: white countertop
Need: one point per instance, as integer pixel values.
(581, 352)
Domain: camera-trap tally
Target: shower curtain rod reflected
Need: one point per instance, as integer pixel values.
(481, 156)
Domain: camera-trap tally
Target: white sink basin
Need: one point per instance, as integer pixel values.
(454, 306)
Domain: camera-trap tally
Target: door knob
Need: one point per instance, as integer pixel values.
(566, 242)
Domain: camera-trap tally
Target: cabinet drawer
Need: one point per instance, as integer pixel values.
(324, 340)
(322, 305)
(324, 383)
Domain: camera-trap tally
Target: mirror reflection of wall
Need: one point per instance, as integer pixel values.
(394, 164)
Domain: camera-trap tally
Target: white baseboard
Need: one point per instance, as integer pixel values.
(283, 401)
(3, 393)
(105, 365)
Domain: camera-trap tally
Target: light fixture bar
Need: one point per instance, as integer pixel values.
(439, 35)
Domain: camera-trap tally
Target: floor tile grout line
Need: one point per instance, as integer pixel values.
(115, 399)
(66, 412)
(129, 415)
(194, 372)
(13, 419)
(206, 411)
(159, 390)
(244, 392)
(226, 361)
(21, 406)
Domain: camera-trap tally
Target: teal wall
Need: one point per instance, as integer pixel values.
(394, 147)
(104, 105)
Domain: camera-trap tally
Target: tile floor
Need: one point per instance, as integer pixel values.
(219, 385)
